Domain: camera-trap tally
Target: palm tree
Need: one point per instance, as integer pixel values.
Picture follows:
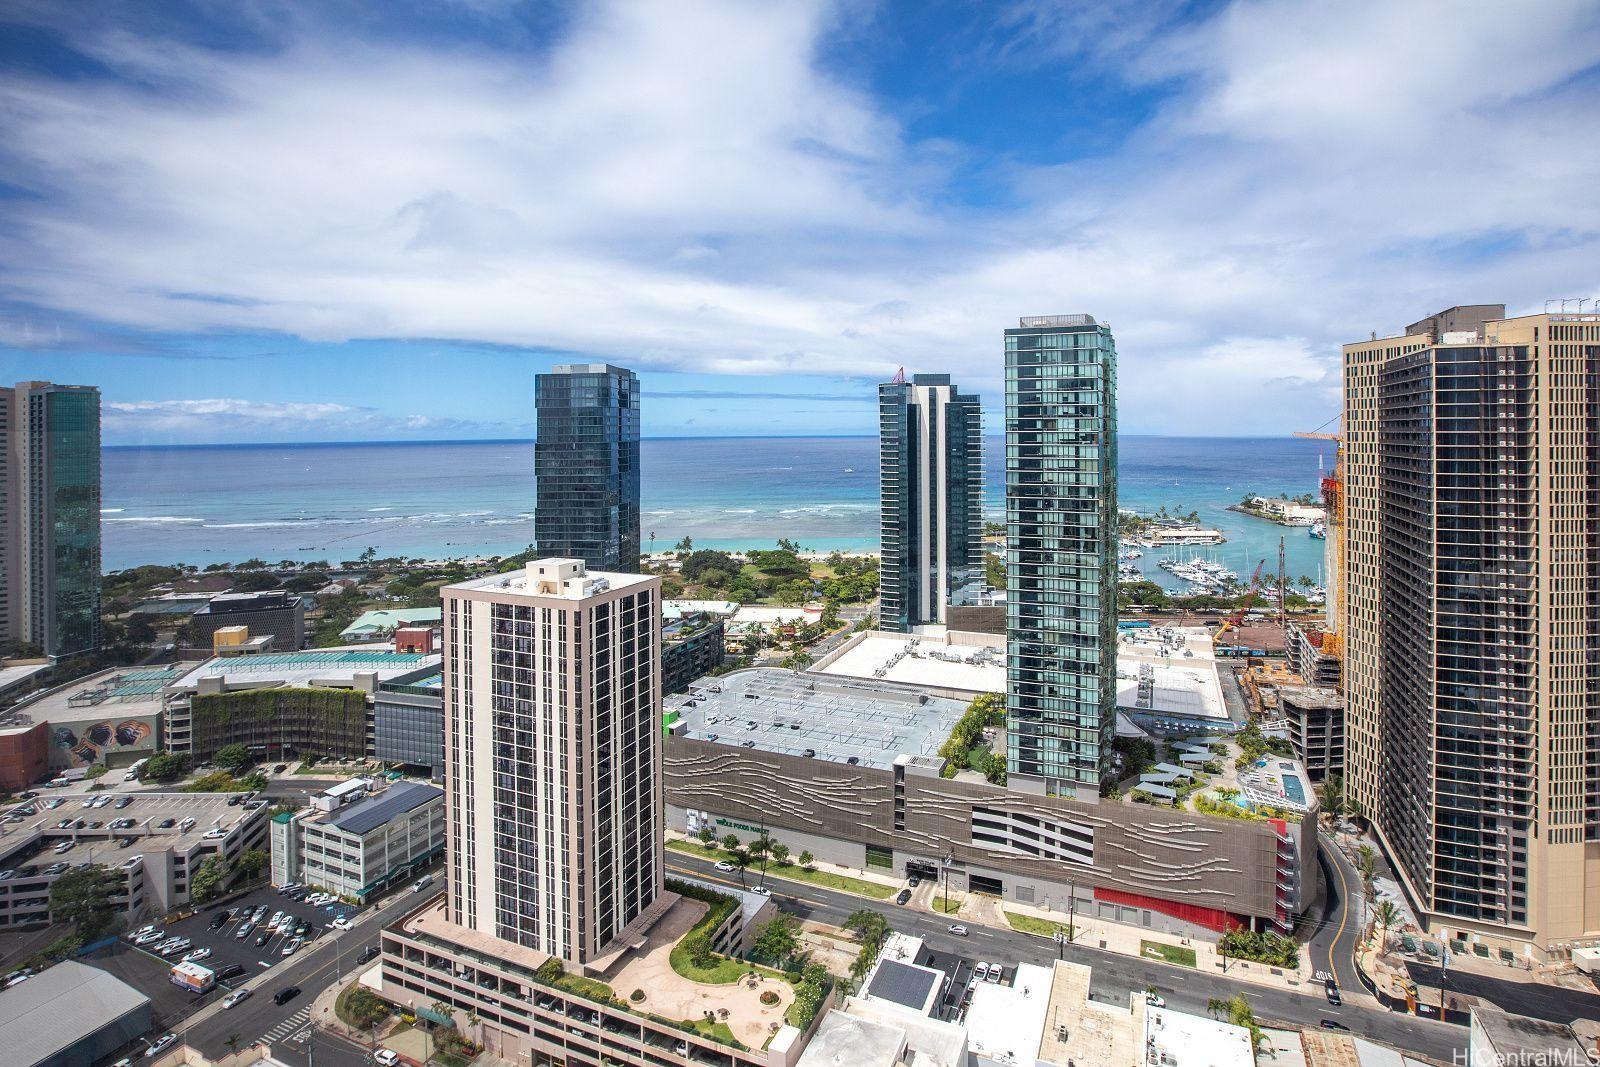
(1386, 915)
(233, 1043)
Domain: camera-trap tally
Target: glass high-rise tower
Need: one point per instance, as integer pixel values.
(50, 516)
(586, 462)
(1061, 530)
(931, 479)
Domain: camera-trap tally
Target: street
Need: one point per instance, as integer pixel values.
(1333, 944)
(1115, 975)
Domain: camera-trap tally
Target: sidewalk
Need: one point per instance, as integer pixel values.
(1131, 941)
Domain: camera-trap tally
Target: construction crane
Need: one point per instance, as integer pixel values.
(1333, 500)
(1232, 622)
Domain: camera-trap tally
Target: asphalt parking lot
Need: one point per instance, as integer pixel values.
(228, 949)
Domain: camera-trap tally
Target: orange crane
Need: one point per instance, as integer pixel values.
(1333, 499)
(1232, 622)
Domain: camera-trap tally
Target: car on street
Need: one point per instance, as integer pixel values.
(422, 883)
(368, 953)
(341, 923)
(903, 897)
(280, 768)
(235, 998)
(724, 865)
(958, 929)
(761, 890)
(1330, 1024)
(1154, 1000)
(161, 1045)
(1333, 995)
(286, 994)
(913, 881)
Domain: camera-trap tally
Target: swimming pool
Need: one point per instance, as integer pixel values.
(1293, 788)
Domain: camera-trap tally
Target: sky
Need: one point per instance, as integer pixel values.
(249, 220)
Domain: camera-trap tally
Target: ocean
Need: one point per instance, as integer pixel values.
(214, 504)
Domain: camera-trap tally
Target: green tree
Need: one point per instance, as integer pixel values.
(706, 834)
(252, 861)
(779, 937)
(82, 897)
(1332, 796)
(207, 881)
(780, 853)
(1387, 916)
(806, 859)
(697, 946)
(232, 758)
(166, 767)
(730, 843)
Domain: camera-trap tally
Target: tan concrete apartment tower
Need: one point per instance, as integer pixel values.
(1471, 616)
(552, 685)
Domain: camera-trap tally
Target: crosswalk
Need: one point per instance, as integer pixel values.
(289, 1026)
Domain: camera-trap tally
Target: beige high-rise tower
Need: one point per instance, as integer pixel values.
(552, 680)
(1471, 616)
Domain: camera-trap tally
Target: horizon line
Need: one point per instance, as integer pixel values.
(666, 437)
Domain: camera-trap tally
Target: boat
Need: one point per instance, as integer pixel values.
(1319, 530)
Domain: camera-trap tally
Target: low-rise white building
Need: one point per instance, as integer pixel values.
(359, 838)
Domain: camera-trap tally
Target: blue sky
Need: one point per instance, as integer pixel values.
(270, 221)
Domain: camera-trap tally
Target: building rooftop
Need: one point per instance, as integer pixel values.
(905, 984)
(553, 578)
(332, 666)
(1519, 1039)
(923, 660)
(17, 675)
(672, 609)
(59, 1007)
(835, 719)
(1005, 1023)
(148, 810)
(116, 693)
(382, 620)
(264, 600)
(1178, 1039)
(364, 816)
(845, 1040)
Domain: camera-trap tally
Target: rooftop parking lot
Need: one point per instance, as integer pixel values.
(260, 947)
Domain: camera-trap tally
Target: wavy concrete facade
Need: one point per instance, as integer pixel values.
(1188, 864)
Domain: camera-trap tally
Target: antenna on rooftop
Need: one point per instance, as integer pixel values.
(899, 377)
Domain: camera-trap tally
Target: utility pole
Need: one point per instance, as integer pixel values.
(1072, 910)
(1444, 970)
(1283, 593)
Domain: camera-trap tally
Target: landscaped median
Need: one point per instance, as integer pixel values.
(793, 872)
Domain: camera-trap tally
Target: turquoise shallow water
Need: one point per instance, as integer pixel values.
(213, 504)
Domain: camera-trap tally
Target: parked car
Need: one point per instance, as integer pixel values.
(1331, 1024)
(293, 946)
(161, 1045)
(237, 997)
(996, 972)
(1154, 1000)
(220, 919)
(387, 1057)
(123, 802)
(980, 973)
(244, 930)
(286, 994)
(196, 955)
(230, 972)
(265, 936)
(341, 923)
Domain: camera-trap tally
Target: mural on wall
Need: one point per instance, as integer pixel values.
(88, 743)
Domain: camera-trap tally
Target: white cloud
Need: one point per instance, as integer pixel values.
(682, 186)
(219, 419)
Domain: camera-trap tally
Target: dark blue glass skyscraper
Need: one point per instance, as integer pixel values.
(930, 452)
(1061, 531)
(50, 517)
(586, 462)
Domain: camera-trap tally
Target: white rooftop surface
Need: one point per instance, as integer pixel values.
(1179, 664)
(919, 660)
(1005, 1022)
(10, 676)
(330, 665)
(844, 1040)
(1184, 1040)
(60, 1006)
(757, 615)
(677, 609)
(935, 1043)
(554, 578)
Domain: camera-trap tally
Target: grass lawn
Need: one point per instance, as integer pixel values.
(794, 873)
(1032, 924)
(1155, 950)
(721, 970)
(717, 1032)
(947, 905)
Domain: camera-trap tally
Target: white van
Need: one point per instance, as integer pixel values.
(422, 883)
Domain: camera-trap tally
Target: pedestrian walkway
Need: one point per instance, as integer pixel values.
(288, 1027)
